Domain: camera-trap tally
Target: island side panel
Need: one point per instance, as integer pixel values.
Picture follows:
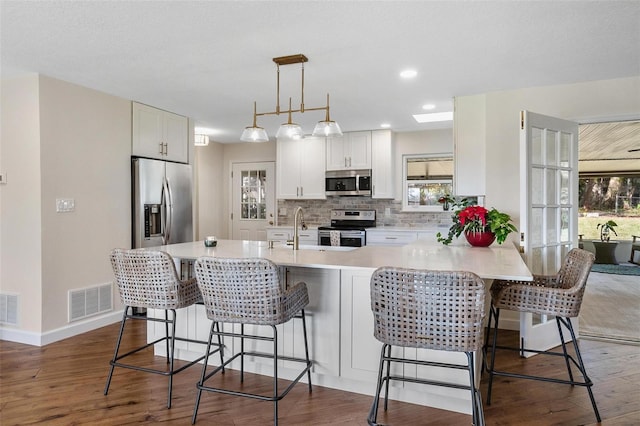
(360, 354)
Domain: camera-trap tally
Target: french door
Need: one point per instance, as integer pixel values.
(548, 209)
(252, 199)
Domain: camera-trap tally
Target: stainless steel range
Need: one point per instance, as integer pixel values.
(350, 225)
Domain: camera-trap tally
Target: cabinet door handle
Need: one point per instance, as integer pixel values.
(166, 148)
(161, 148)
(390, 238)
(302, 191)
(349, 161)
(297, 191)
(345, 162)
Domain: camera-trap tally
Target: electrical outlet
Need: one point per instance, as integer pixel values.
(282, 211)
(387, 211)
(64, 205)
(3, 177)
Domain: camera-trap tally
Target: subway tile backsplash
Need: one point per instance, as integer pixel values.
(316, 212)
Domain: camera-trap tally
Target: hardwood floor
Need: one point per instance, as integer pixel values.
(62, 384)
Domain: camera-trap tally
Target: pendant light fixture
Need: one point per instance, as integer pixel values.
(327, 127)
(254, 133)
(290, 129)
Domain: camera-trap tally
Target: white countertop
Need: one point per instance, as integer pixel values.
(499, 262)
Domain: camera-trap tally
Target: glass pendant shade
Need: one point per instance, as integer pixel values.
(254, 134)
(327, 128)
(290, 131)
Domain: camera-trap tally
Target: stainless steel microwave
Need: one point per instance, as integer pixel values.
(348, 182)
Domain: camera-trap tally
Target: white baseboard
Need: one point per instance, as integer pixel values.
(70, 330)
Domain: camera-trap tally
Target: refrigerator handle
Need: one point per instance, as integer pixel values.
(169, 211)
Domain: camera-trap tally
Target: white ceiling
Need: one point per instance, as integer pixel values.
(211, 60)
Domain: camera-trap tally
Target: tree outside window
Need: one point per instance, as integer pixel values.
(603, 198)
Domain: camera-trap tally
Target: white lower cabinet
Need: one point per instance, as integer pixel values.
(322, 317)
(360, 350)
(390, 238)
(280, 234)
(283, 234)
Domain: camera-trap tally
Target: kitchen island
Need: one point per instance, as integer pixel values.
(339, 318)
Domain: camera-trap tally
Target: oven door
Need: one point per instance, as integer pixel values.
(348, 238)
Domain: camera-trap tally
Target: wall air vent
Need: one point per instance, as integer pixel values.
(90, 301)
(9, 309)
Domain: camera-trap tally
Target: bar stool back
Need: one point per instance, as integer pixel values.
(248, 291)
(441, 310)
(148, 279)
(557, 295)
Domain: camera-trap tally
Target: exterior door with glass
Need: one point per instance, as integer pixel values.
(253, 200)
(549, 209)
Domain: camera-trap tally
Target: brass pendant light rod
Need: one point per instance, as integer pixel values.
(255, 115)
(302, 91)
(327, 118)
(278, 90)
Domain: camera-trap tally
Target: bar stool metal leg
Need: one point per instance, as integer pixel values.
(496, 317)
(115, 353)
(386, 385)
(172, 352)
(564, 349)
(373, 413)
(306, 347)
(204, 369)
(583, 370)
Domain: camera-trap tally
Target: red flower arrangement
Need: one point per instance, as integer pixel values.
(478, 219)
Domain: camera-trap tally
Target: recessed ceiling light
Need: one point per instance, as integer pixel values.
(434, 117)
(385, 125)
(428, 106)
(408, 73)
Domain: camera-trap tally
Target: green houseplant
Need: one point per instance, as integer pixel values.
(605, 229)
(471, 219)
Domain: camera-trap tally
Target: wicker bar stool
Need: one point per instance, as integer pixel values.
(148, 279)
(248, 291)
(440, 310)
(560, 296)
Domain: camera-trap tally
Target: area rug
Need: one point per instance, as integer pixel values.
(611, 309)
(616, 269)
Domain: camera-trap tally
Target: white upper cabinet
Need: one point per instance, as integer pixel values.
(382, 164)
(300, 168)
(160, 134)
(351, 151)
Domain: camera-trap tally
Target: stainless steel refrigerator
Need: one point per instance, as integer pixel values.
(161, 205)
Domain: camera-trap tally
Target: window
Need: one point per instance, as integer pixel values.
(603, 198)
(426, 178)
(253, 201)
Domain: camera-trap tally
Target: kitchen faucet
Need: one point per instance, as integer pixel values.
(296, 238)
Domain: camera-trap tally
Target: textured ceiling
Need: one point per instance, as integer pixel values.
(211, 60)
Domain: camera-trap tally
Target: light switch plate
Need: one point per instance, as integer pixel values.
(64, 205)
(3, 177)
